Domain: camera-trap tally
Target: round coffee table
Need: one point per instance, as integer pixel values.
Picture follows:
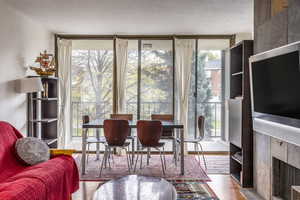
(135, 187)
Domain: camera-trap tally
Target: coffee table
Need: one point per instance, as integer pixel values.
(135, 187)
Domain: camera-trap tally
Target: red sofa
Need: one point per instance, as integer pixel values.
(55, 179)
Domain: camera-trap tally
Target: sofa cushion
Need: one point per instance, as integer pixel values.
(32, 150)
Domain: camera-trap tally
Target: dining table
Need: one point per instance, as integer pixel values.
(99, 124)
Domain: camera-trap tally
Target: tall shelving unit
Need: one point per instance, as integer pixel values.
(240, 118)
(44, 104)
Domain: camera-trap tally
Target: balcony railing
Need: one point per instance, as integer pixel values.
(102, 110)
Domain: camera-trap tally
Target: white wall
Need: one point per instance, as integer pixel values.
(21, 40)
(243, 36)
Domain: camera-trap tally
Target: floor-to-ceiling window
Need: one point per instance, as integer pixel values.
(206, 93)
(149, 81)
(156, 93)
(131, 91)
(91, 81)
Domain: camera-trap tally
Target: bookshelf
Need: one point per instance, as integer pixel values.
(240, 120)
(45, 112)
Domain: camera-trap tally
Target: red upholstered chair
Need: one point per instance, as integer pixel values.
(116, 132)
(149, 134)
(55, 179)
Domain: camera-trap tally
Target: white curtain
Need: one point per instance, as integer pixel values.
(121, 56)
(64, 74)
(183, 62)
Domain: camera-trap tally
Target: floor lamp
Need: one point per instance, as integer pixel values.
(31, 85)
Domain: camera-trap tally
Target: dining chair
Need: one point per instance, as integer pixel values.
(128, 117)
(116, 132)
(149, 134)
(168, 133)
(197, 141)
(91, 140)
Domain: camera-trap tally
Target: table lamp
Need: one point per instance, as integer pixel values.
(30, 85)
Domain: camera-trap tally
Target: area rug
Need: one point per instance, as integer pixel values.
(187, 190)
(193, 171)
(217, 164)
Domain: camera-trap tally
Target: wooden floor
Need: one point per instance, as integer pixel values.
(224, 187)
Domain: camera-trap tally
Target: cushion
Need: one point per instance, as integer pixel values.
(32, 150)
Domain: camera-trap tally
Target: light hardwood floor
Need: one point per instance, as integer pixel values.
(223, 185)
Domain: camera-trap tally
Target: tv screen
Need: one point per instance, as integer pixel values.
(276, 85)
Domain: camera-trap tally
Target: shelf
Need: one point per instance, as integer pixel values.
(236, 159)
(50, 141)
(45, 99)
(44, 77)
(240, 119)
(45, 120)
(236, 177)
(237, 73)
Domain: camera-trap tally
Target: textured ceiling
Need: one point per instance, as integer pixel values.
(140, 16)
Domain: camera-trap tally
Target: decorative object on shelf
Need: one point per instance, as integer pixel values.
(32, 150)
(45, 92)
(47, 64)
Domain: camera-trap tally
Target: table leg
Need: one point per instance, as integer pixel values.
(182, 151)
(98, 144)
(132, 150)
(83, 159)
(148, 155)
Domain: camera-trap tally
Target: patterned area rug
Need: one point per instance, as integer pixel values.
(193, 171)
(187, 190)
(193, 191)
(217, 164)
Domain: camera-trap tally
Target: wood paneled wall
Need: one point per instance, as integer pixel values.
(276, 23)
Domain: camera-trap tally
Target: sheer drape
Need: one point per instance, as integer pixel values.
(184, 62)
(64, 74)
(121, 57)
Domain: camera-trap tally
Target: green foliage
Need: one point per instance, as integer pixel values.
(92, 80)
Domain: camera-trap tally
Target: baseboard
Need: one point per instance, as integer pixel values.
(250, 194)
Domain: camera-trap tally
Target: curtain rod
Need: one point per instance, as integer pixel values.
(162, 37)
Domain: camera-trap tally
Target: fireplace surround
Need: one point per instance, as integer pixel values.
(276, 159)
(284, 176)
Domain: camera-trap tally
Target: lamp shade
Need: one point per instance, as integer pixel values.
(29, 85)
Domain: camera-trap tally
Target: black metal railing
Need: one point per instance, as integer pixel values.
(102, 110)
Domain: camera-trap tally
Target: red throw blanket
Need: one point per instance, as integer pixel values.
(55, 179)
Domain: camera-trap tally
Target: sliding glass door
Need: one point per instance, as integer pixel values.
(149, 81)
(149, 78)
(206, 93)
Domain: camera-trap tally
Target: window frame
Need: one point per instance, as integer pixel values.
(231, 39)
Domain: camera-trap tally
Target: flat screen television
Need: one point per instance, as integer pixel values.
(275, 84)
